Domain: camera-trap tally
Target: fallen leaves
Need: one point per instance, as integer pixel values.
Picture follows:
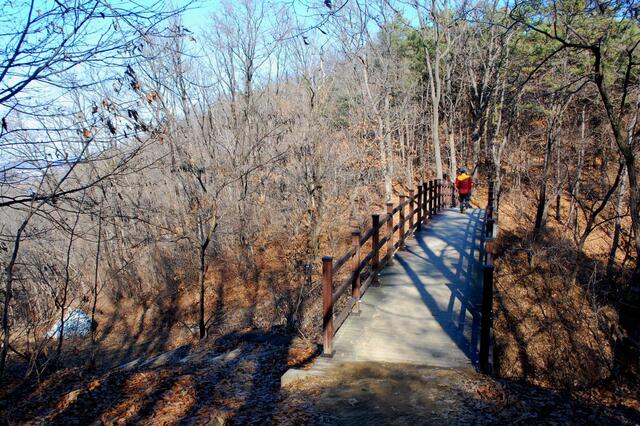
(239, 385)
(242, 386)
(300, 355)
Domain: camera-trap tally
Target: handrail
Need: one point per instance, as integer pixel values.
(342, 287)
(486, 319)
(364, 262)
(383, 241)
(343, 259)
(365, 237)
(431, 197)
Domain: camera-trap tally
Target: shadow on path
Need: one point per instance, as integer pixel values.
(449, 247)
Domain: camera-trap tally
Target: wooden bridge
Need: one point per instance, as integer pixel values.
(421, 293)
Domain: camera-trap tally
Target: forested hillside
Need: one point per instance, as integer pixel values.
(178, 182)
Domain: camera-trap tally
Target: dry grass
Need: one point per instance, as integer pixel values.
(555, 308)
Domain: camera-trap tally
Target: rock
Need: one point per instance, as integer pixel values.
(76, 324)
(165, 358)
(202, 356)
(181, 355)
(293, 375)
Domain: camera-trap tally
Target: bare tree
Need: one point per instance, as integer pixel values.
(50, 55)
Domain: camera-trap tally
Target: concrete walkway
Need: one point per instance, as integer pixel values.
(425, 309)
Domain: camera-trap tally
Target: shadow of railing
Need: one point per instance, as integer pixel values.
(463, 278)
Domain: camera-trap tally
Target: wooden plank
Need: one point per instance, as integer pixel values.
(342, 288)
(365, 237)
(342, 260)
(342, 316)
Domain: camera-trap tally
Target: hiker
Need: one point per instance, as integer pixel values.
(463, 185)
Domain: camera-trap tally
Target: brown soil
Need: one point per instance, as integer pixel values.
(232, 380)
(237, 381)
(551, 329)
(555, 309)
(394, 394)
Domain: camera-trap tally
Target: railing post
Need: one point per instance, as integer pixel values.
(491, 200)
(454, 201)
(420, 207)
(411, 208)
(439, 194)
(375, 240)
(427, 201)
(487, 318)
(489, 229)
(390, 232)
(327, 305)
(490, 212)
(445, 192)
(401, 227)
(486, 322)
(355, 269)
(431, 201)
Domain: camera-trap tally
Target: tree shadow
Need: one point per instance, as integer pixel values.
(236, 379)
(457, 266)
(235, 374)
(155, 322)
(380, 393)
(554, 312)
(116, 343)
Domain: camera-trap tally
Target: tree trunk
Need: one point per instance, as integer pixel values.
(634, 206)
(435, 135)
(8, 292)
(65, 290)
(572, 219)
(543, 204)
(435, 93)
(201, 275)
(497, 161)
(388, 176)
(453, 164)
(91, 362)
(382, 146)
(314, 214)
(617, 226)
(205, 231)
(596, 211)
(476, 136)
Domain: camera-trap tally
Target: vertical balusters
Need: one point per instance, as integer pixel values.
(375, 240)
(431, 199)
(390, 232)
(355, 270)
(411, 208)
(403, 199)
(327, 305)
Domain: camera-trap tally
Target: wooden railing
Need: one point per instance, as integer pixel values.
(486, 321)
(364, 256)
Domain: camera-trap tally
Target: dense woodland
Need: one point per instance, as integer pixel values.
(198, 174)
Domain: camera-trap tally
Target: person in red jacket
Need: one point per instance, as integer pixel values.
(463, 185)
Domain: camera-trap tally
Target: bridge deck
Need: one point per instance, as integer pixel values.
(426, 308)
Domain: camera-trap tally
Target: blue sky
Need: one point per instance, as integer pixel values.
(198, 15)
